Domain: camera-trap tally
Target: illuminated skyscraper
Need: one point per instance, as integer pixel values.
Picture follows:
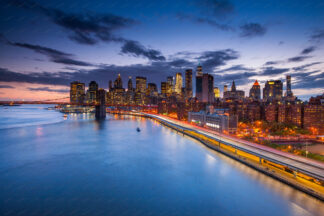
(140, 84)
(130, 84)
(92, 92)
(77, 92)
(169, 85)
(178, 84)
(288, 90)
(255, 91)
(272, 90)
(118, 84)
(151, 89)
(216, 92)
(188, 84)
(163, 88)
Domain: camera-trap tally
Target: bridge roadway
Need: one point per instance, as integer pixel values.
(294, 162)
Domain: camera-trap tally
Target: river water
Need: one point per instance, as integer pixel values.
(79, 166)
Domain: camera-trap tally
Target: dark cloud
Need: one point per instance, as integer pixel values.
(235, 68)
(207, 21)
(156, 71)
(85, 28)
(273, 71)
(212, 59)
(298, 58)
(272, 62)
(308, 50)
(136, 49)
(53, 54)
(252, 30)
(305, 66)
(47, 89)
(6, 86)
(58, 78)
(89, 29)
(317, 35)
(218, 8)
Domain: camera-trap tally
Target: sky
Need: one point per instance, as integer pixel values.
(45, 45)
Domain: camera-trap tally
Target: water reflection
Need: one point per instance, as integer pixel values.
(83, 165)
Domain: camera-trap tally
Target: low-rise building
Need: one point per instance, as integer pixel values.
(218, 120)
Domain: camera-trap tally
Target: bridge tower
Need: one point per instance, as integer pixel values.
(101, 104)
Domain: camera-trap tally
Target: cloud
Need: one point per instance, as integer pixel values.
(252, 30)
(305, 66)
(156, 71)
(218, 8)
(89, 29)
(85, 28)
(6, 86)
(41, 78)
(272, 62)
(208, 21)
(317, 35)
(308, 50)
(136, 49)
(53, 54)
(273, 71)
(211, 59)
(235, 68)
(47, 89)
(298, 58)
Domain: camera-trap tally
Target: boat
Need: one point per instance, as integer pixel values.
(138, 129)
(65, 115)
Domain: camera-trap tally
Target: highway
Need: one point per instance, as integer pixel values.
(294, 162)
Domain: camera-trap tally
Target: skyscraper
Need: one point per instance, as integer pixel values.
(92, 92)
(118, 84)
(163, 88)
(199, 84)
(199, 71)
(77, 92)
(288, 90)
(208, 88)
(225, 90)
(140, 84)
(169, 85)
(255, 91)
(216, 92)
(272, 90)
(151, 88)
(205, 88)
(188, 84)
(178, 84)
(130, 84)
(110, 85)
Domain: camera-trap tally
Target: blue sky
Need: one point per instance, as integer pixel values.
(46, 44)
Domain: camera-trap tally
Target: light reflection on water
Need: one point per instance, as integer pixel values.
(82, 165)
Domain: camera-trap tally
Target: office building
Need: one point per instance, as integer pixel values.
(140, 84)
(77, 92)
(178, 84)
(188, 84)
(255, 91)
(92, 92)
(216, 92)
(272, 90)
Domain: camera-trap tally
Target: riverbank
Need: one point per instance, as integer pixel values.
(282, 173)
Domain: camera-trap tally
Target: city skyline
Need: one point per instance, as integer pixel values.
(230, 39)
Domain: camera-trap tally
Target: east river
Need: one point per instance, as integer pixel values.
(79, 166)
